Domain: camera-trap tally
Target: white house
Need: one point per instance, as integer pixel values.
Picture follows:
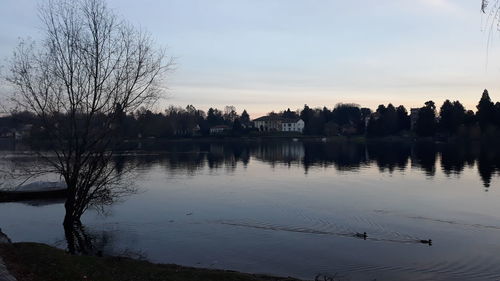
(268, 123)
(279, 124)
(292, 125)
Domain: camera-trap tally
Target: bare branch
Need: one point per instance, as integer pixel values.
(89, 70)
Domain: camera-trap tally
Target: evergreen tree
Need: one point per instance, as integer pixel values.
(446, 117)
(469, 118)
(497, 114)
(390, 120)
(288, 114)
(244, 118)
(404, 122)
(214, 117)
(485, 111)
(306, 115)
(426, 122)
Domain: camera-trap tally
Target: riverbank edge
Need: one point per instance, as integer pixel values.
(41, 262)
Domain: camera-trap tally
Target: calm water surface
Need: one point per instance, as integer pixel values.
(293, 209)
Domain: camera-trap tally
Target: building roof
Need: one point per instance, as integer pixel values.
(269, 118)
(276, 118)
(291, 120)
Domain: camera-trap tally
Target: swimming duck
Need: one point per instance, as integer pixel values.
(361, 235)
(429, 242)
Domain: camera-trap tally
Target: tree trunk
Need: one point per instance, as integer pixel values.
(71, 217)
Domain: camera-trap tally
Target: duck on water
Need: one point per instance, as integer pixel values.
(428, 242)
(361, 235)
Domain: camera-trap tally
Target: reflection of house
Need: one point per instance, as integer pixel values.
(282, 152)
(275, 123)
(219, 129)
(295, 125)
(414, 117)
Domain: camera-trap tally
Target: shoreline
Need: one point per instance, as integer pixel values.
(41, 262)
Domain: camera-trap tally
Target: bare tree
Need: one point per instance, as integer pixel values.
(90, 69)
(492, 10)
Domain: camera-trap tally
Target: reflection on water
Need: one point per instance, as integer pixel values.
(343, 156)
(295, 208)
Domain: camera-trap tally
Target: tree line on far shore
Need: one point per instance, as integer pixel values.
(450, 119)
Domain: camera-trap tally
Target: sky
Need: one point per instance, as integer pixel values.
(264, 55)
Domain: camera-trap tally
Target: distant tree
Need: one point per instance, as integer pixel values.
(446, 116)
(387, 121)
(214, 117)
(375, 125)
(307, 115)
(426, 122)
(365, 117)
(469, 118)
(244, 118)
(390, 120)
(317, 122)
(497, 114)
(452, 116)
(485, 111)
(237, 127)
(365, 112)
(331, 129)
(230, 114)
(288, 114)
(326, 114)
(404, 122)
(346, 114)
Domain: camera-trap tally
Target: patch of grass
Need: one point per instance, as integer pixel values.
(39, 262)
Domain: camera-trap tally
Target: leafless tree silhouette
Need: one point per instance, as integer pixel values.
(90, 69)
(492, 11)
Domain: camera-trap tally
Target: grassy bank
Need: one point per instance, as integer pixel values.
(38, 262)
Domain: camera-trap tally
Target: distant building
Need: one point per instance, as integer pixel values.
(275, 123)
(414, 117)
(268, 123)
(217, 130)
(292, 125)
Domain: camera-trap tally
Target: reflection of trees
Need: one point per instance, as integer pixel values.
(454, 157)
(280, 152)
(424, 156)
(389, 155)
(488, 163)
(81, 241)
(343, 155)
(192, 157)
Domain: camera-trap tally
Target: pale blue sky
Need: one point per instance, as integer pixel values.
(266, 55)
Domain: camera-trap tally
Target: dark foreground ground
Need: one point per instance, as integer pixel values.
(38, 262)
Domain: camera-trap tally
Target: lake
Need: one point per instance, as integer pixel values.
(293, 209)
